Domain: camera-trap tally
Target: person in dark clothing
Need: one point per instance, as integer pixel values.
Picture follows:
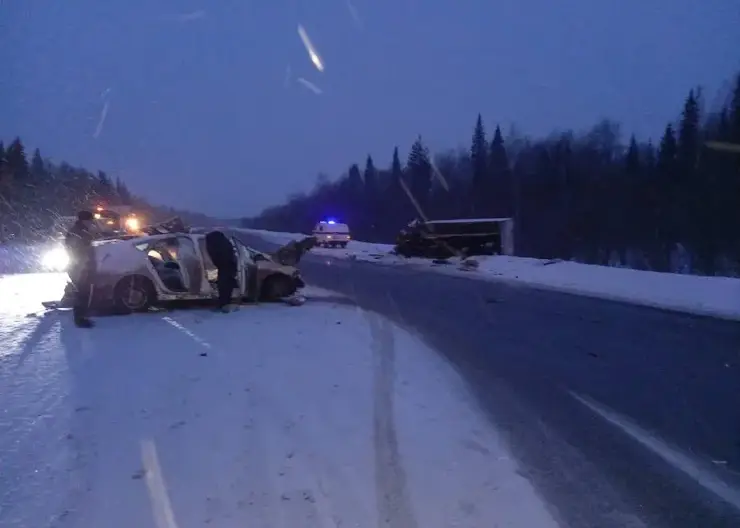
(82, 265)
(222, 254)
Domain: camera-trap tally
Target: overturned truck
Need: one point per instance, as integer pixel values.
(459, 237)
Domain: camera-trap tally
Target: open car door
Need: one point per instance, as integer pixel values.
(246, 268)
(292, 252)
(189, 259)
(171, 266)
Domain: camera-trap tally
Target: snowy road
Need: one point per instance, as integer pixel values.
(619, 414)
(323, 415)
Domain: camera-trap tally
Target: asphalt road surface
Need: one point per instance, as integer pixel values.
(620, 415)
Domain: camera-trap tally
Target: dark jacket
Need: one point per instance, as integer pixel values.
(221, 251)
(79, 247)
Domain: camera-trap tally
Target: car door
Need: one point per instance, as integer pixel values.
(245, 266)
(156, 254)
(191, 263)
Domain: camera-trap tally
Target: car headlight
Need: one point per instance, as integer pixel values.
(132, 224)
(57, 259)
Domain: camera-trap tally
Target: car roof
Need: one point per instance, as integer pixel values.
(334, 225)
(164, 236)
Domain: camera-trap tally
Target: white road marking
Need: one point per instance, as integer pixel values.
(161, 506)
(695, 469)
(187, 332)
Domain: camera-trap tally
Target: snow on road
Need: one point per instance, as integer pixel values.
(713, 296)
(314, 416)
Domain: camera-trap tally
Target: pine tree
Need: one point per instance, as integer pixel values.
(395, 201)
(664, 220)
(396, 169)
(370, 178)
(500, 186)
(632, 159)
(666, 163)
(419, 170)
(38, 167)
(396, 196)
(17, 163)
(478, 161)
(688, 138)
(355, 180)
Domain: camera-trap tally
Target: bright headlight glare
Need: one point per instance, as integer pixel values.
(56, 259)
(132, 224)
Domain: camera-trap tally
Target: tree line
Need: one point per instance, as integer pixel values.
(588, 197)
(35, 193)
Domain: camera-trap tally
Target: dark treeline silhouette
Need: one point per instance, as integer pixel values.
(586, 197)
(34, 193)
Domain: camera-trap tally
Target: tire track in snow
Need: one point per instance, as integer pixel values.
(393, 503)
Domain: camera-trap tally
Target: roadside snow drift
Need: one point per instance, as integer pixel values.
(712, 296)
(313, 416)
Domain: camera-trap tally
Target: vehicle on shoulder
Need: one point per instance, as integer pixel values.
(456, 237)
(330, 233)
(137, 274)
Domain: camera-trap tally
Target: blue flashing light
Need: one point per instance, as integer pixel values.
(329, 221)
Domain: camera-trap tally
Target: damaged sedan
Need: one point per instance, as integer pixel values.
(137, 274)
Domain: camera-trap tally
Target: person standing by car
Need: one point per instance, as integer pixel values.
(223, 256)
(82, 270)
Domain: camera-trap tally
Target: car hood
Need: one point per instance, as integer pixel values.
(292, 252)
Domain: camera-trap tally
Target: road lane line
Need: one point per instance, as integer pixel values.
(681, 461)
(187, 332)
(161, 506)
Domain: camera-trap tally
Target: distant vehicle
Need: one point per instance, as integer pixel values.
(447, 238)
(330, 233)
(135, 274)
(116, 220)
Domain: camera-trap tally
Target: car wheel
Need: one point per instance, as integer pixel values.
(134, 294)
(276, 287)
(344, 245)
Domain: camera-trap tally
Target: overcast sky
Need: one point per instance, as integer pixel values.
(199, 104)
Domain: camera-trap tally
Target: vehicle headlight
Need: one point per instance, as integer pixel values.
(132, 224)
(57, 259)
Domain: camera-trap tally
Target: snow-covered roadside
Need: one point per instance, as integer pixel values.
(21, 258)
(319, 415)
(712, 296)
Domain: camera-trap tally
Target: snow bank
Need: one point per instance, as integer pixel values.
(319, 415)
(712, 296)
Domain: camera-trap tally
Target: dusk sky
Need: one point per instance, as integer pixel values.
(201, 113)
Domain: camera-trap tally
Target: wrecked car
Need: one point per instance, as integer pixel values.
(460, 237)
(137, 274)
